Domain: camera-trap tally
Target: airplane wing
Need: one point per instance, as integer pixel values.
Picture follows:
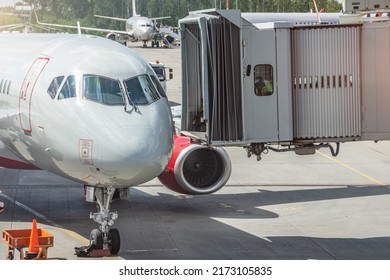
(11, 26)
(113, 18)
(159, 18)
(124, 19)
(82, 28)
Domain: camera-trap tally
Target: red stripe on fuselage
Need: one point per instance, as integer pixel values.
(14, 164)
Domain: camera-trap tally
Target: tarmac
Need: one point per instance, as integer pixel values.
(285, 207)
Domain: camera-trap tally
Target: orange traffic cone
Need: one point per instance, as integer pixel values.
(33, 249)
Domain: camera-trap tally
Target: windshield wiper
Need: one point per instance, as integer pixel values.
(135, 107)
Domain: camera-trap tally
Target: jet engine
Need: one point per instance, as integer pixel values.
(196, 169)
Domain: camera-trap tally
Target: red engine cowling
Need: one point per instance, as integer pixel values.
(196, 169)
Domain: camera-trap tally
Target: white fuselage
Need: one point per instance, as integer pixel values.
(93, 134)
(140, 28)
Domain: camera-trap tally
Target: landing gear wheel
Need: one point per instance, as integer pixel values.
(114, 241)
(96, 238)
(105, 238)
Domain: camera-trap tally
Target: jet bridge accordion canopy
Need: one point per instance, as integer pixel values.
(248, 79)
(212, 79)
(326, 82)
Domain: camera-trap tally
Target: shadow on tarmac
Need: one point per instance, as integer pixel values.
(169, 226)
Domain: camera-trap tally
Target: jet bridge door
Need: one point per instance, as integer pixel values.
(260, 91)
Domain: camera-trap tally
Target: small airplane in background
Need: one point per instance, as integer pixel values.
(138, 28)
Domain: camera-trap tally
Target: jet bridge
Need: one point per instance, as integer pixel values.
(249, 81)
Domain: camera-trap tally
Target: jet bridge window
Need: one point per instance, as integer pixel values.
(55, 86)
(141, 90)
(103, 90)
(264, 85)
(69, 88)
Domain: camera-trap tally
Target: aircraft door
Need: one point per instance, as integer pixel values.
(260, 91)
(26, 92)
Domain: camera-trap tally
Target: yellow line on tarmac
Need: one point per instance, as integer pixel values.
(76, 236)
(376, 181)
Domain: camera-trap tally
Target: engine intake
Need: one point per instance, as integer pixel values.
(196, 169)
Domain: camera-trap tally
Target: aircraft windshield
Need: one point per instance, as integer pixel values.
(159, 87)
(141, 90)
(69, 88)
(55, 86)
(103, 90)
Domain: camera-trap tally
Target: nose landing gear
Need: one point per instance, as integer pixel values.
(105, 239)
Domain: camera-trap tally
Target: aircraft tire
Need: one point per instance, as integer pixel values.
(10, 255)
(114, 241)
(96, 238)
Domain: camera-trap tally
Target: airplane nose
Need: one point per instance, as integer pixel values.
(145, 33)
(138, 154)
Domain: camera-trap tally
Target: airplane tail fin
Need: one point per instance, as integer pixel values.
(134, 9)
(318, 15)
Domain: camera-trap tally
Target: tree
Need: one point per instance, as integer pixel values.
(71, 11)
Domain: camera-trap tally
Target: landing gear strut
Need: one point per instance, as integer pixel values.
(105, 238)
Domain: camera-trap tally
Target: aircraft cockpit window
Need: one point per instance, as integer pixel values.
(103, 90)
(159, 87)
(68, 90)
(141, 90)
(55, 86)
